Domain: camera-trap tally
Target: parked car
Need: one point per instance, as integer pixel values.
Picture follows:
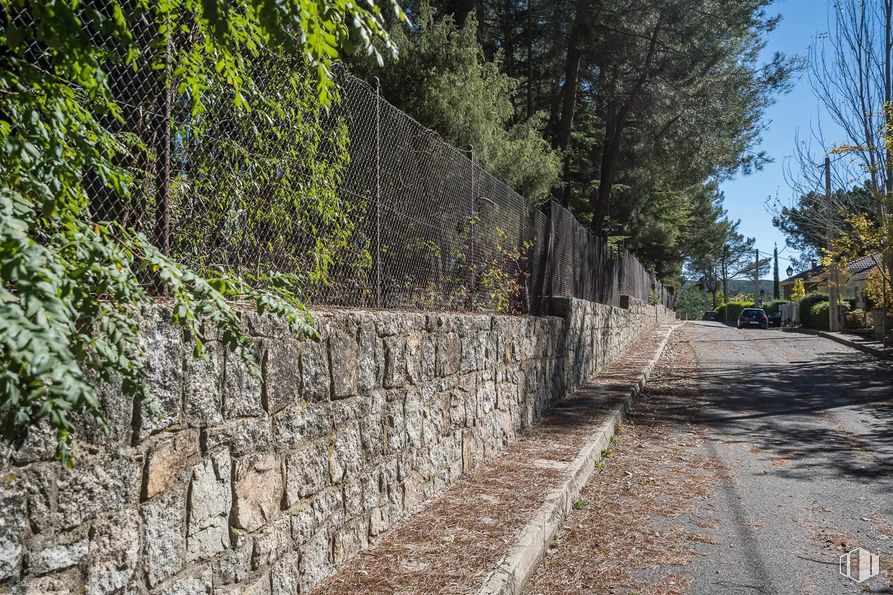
(713, 316)
(775, 319)
(753, 317)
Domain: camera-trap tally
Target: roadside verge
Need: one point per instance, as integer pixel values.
(487, 532)
(874, 348)
(527, 551)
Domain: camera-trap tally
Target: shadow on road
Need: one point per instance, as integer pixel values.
(817, 410)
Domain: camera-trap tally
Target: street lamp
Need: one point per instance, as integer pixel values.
(790, 271)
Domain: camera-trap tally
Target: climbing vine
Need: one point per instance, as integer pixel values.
(73, 270)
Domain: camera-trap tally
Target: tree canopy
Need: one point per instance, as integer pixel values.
(647, 104)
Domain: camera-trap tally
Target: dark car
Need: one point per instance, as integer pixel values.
(710, 316)
(775, 319)
(753, 317)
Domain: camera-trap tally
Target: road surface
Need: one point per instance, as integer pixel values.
(804, 427)
(801, 431)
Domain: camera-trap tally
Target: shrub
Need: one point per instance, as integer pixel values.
(773, 306)
(798, 291)
(806, 304)
(818, 316)
(856, 319)
(729, 312)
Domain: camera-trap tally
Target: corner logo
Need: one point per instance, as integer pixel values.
(859, 565)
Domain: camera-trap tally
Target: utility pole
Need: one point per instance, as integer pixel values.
(725, 281)
(833, 289)
(756, 278)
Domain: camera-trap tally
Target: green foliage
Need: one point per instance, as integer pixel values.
(262, 186)
(773, 306)
(818, 316)
(808, 314)
(730, 311)
(71, 280)
(502, 272)
(444, 81)
(805, 224)
(691, 303)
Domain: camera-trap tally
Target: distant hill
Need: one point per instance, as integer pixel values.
(746, 286)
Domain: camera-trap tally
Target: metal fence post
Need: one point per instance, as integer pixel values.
(377, 246)
(162, 170)
(163, 165)
(471, 231)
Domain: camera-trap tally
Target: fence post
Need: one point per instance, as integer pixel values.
(377, 246)
(471, 231)
(162, 169)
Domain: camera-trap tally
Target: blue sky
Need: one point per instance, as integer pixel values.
(801, 21)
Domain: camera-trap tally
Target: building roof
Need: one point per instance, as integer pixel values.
(805, 275)
(864, 263)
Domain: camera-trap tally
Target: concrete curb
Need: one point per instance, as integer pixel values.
(525, 554)
(842, 341)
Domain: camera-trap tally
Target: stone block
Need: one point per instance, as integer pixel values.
(346, 451)
(163, 360)
(96, 485)
(113, 553)
(315, 560)
(316, 381)
(449, 352)
(235, 567)
(413, 490)
(349, 540)
(258, 586)
(370, 359)
(395, 422)
(242, 436)
(38, 483)
(372, 432)
(210, 501)
(258, 491)
(379, 521)
(343, 357)
(282, 372)
(271, 543)
(60, 583)
(13, 524)
(65, 551)
(300, 423)
(352, 489)
(306, 472)
(328, 507)
(242, 389)
(167, 459)
(394, 362)
(413, 409)
(204, 386)
(195, 582)
(164, 521)
(285, 577)
(421, 357)
(303, 522)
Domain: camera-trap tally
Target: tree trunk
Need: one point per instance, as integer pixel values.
(529, 58)
(614, 126)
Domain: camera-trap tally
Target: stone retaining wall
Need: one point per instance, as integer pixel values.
(265, 485)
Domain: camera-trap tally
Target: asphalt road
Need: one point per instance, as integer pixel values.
(804, 429)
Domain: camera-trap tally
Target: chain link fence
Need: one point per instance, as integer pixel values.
(360, 203)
